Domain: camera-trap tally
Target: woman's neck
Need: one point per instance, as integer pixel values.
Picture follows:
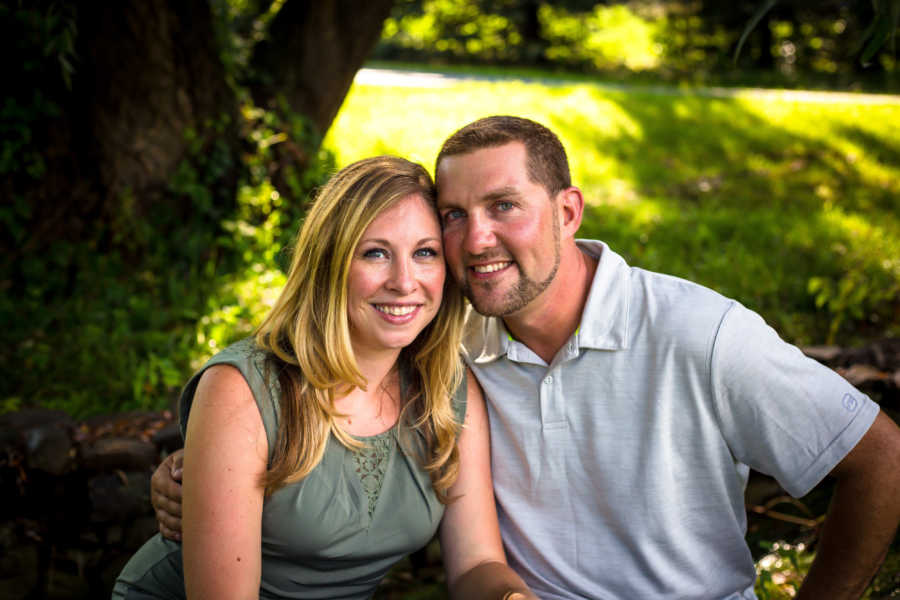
(375, 409)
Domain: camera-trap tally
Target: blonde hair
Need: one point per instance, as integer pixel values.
(308, 336)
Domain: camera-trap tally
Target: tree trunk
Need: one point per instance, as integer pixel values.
(149, 92)
(146, 74)
(312, 52)
(305, 66)
(153, 74)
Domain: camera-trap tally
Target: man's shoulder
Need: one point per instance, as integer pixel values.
(670, 292)
(668, 309)
(623, 291)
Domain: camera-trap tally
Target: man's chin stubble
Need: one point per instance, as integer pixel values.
(516, 299)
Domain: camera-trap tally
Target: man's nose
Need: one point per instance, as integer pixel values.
(479, 235)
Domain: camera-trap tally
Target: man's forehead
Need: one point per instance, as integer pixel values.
(487, 171)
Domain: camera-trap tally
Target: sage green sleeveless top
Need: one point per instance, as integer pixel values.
(319, 537)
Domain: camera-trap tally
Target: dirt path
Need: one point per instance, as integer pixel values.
(428, 79)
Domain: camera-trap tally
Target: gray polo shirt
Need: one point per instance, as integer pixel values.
(619, 468)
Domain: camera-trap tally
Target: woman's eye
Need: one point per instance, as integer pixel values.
(375, 253)
(426, 252)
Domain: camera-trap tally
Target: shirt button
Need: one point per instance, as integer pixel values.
(548, 379)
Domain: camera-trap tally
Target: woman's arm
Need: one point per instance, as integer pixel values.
(470, 536)
(225, 455)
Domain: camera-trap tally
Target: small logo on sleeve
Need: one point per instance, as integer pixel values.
(849, 402)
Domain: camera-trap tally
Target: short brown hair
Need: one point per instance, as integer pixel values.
(546, 158)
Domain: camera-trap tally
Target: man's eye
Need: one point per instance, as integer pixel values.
(504, 206)
(452, 215)
(375, 253)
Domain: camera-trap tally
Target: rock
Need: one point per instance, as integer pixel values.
(861, 375)
(824, 354)
(119, 453)
(49, 448)
(32, 417)
(119, 497)
(168, 439)
(42, 436)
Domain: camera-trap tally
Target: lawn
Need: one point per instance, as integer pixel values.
(788, 203)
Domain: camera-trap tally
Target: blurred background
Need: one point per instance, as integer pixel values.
(157, 158)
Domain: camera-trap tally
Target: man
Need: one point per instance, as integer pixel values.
(627, 407)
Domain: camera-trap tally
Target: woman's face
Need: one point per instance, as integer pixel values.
(396, 277)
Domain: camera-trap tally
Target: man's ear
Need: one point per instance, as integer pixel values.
(571, 208)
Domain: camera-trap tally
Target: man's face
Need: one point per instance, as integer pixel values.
(501, 231)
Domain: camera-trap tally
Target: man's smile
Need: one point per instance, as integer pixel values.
(491, 267)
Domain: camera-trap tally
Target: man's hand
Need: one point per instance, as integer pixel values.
(165, 495)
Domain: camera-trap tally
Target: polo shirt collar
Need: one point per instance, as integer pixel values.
(604, 322)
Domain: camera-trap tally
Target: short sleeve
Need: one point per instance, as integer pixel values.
(781, 412)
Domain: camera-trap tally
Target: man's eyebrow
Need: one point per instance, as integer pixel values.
(507, 191)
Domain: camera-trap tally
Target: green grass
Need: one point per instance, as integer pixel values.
(790, 206)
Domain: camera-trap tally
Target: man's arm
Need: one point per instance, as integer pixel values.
(862, 519)
(165, 495)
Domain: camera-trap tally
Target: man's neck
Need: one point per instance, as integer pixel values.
(547, 323)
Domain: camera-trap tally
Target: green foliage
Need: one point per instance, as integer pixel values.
(118, 318)
(605, 39)
(781, 571)
(452, 29)
(120, 322)
(43, 36)
(755, 196)
(796, 44)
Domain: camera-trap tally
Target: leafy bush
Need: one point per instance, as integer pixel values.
(606, 39)
(791, 46)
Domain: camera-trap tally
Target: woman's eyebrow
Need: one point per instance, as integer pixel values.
(386, 242)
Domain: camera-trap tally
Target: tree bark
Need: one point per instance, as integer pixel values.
(146, 72)
(152, 74)
(312, 52)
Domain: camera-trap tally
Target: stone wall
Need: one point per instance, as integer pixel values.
(76, 499)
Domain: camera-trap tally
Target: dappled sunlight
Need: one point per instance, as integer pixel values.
(609, 37)
(737, 193)
(261, 229)
(781, 571)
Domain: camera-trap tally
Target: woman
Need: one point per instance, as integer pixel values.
(328, 447)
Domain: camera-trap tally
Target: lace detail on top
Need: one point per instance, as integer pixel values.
(371, 463)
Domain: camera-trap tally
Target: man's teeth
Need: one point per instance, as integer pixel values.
(490, 268)
(397, 311)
